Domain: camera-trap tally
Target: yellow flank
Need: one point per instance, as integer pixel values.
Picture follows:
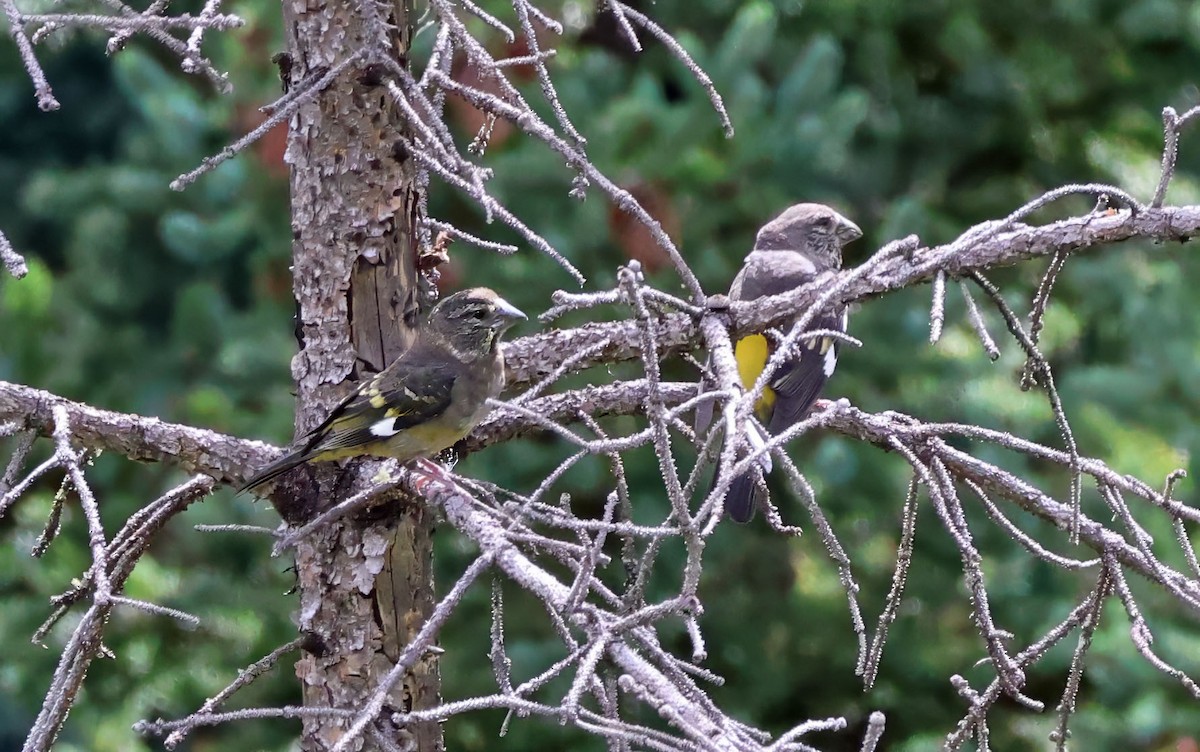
(422, 440)
(436, 434)
(751, 354)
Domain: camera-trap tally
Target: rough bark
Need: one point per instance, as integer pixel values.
(364, 585)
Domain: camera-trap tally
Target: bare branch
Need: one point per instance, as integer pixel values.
(904, 552)
(225, 458)
(1087, 629)
(875, 726)
(280, 113)
(45, 97)
(677, 50)
(107, 576)
(1173, 125)
(937, 311)
(13, 261)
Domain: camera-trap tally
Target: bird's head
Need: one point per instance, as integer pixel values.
(472, 321)
(815, 230)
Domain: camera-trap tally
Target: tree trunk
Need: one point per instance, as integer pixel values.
(365, 586)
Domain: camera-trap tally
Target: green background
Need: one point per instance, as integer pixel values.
(909, 117)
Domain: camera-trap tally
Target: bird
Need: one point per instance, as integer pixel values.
(791, 250)
(426, 400)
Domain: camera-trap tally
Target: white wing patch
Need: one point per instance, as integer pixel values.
(830, 361)
(758, 440)
(831, 348)
(384, 428)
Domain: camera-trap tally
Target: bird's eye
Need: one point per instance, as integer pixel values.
(479, 314)
(824, 223)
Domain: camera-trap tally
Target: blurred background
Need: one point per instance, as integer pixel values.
(909, 118)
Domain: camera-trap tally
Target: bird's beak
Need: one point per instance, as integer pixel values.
(506, 311)
(847, 231)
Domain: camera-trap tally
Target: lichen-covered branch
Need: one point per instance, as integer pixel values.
(147, 439)
(122, 23)
(13, 261)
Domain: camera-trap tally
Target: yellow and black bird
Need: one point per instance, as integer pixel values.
(789, 251)
(425, 401)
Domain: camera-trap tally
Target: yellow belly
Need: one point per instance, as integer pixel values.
(751, 354)
(424, 440)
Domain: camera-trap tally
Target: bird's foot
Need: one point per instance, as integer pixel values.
(430, 472)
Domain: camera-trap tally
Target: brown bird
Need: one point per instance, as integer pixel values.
(789, 251)
(425, 401)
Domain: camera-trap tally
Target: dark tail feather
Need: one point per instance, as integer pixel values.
(273, 470)
(743, 496)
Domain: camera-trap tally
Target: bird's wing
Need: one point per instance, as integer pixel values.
(798, 382)
(762, 274)
(413, 390)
